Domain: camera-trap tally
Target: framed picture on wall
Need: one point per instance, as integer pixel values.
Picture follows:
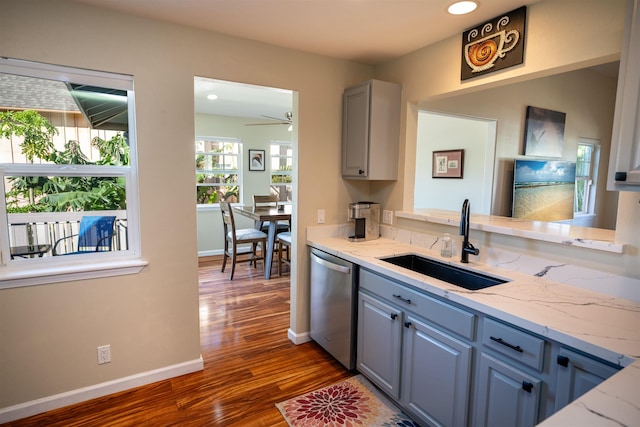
(448, 164)
(256, 160)
(544, 132)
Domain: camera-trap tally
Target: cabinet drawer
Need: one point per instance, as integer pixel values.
(449, 317)
(511, 342)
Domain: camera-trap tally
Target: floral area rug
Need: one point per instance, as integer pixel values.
(350, 403)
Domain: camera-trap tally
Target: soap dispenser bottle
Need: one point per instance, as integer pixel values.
(446, 250)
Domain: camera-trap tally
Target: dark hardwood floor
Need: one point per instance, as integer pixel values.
(249, 364)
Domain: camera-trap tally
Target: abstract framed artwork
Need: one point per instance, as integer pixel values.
(544, 132)
(256, 160)
(448, 164)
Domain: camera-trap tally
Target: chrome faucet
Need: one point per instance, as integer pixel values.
(467, 247)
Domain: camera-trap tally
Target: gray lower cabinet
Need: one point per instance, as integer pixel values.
(505, 396)
(447, 365)
(379, 343)
(436, 374)
(418, 354)
(577, 374)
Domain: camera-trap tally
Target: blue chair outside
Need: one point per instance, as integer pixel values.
(95, 235)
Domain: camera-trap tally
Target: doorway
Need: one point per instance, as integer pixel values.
(248, 117)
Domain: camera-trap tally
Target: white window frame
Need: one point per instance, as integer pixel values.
(239, 171)
(38, 271)
(591, 178)
(271, 171)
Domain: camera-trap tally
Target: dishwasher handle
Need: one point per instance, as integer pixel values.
(329, 264)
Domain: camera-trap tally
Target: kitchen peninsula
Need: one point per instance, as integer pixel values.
(596, 324)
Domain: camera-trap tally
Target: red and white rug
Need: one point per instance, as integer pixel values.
(350, 403)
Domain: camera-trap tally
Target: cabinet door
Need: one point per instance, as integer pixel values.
(436, 375)
(505, 396)
(624, 162)
(379, 341)
(355, 131)
(577, 374)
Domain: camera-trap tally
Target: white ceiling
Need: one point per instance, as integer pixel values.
(364, 31)
(241, 100)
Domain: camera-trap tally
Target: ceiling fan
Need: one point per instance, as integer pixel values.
(287, 121)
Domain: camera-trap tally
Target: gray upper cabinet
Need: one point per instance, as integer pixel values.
(624, 163)
(371, 131)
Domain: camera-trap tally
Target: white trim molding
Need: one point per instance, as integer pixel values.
(298, 339)
(83, 394)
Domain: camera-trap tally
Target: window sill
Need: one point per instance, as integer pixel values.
(12, 277)
(552, 232)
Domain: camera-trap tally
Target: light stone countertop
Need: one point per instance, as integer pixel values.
(584, 237)
(602, 325)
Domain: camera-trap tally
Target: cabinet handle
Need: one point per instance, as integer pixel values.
(527, 386)
(360, 171)
(393, 316)
(563, 361)
(407, 324)
(506, 344)
(408, 301)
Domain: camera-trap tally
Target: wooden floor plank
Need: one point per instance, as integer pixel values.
(249, 364)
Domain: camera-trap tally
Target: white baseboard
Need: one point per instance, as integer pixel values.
(56, 401)
(298, 339)
(213, 252)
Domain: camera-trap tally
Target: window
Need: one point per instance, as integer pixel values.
(586, 164)
(281, 155)
(67, 150)
(218, 166)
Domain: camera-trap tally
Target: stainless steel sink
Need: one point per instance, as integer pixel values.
(464, 278)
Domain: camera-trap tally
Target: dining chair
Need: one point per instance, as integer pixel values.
(284, 250)
(234, 237)
(270, 200)
(95, 235)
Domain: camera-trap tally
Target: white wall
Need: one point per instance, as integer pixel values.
(441, 132)
(151, 319)
(556, 41)
(588, 99)
(557, 35)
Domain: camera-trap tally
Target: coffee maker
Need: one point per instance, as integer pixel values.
(367, 218)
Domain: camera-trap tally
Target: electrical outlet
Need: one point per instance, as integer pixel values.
(387, 217)
(104, 354)
(320, 216)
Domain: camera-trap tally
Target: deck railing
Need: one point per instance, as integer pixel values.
(47, 228)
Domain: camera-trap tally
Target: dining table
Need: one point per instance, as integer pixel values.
(270, 214)
(29, 251)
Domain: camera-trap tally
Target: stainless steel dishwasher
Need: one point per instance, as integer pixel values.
(333, 306)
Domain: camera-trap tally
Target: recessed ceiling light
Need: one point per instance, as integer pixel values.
(212, 97)
(462, 7)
